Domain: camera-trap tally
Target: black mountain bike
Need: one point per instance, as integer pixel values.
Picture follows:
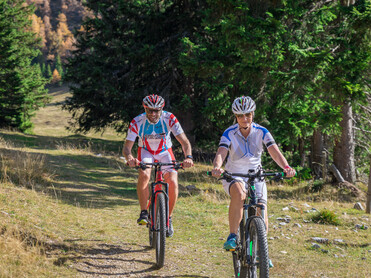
(250, 258)
(158, 206)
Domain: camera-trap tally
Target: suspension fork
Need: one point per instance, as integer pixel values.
(156, 188)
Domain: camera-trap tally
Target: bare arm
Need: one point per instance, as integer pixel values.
(281, 161)
(126, 151)
(220, 156)
(187, 149)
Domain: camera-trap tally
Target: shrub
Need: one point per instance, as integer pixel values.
(326, 217)
(317, 186)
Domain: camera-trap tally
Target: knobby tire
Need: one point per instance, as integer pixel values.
(151, 233)
(259, 244)
(160, 233)
(239, 262)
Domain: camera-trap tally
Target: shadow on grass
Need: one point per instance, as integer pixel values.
(71, 141)
(80, 179)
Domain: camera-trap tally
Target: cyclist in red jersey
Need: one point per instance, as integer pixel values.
(153, 129)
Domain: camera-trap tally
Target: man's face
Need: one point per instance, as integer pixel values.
(153, 115)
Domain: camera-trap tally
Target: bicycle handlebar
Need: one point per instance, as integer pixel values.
(143, 165)
(229, 176)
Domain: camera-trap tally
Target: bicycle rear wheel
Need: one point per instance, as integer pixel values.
(258, 247)
(151, 234)
(160, 233)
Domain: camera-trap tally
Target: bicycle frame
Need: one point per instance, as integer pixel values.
(158, 203)
(250, 202)
(156, 187)
(244, 257)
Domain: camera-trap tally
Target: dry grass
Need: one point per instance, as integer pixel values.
(52, 120)
(72, 147)
(23, 168)
(88, 227)
(24, 242)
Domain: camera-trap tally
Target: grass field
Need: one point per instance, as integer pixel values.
(68, 208)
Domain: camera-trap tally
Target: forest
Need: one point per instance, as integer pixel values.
(305, 63)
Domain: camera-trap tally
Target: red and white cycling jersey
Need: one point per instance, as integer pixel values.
(154, 138)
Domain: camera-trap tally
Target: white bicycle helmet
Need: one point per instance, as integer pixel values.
(243, 105)
(154, 102)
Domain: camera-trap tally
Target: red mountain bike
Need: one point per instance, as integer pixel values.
(158, 207)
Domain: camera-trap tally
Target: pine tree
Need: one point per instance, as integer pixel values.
(127, 50)
(58, 66)
(48, 73)
(43, 69)
(21, 83)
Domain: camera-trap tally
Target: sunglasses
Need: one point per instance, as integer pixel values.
(247, 115)
(151, 111)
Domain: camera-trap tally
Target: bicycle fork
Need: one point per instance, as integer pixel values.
(247, 219)
(156, 188)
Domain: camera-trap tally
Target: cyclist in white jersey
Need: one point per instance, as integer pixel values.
(243, 143)
(154, 143)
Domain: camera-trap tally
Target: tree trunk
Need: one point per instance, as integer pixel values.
(344, 146)
(316, 154)
(347, 3)
(302, 151)
(368, 202)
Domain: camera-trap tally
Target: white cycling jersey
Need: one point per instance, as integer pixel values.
(245, 153)
(154, 138)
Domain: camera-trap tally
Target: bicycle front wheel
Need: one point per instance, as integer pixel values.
(258, 249)
(160, 232)
(239, 264)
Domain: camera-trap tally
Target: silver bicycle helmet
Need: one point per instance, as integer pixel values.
(243, 105)
(154, 102)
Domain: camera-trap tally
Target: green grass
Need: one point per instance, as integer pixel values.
(326, 217)
(80, 215)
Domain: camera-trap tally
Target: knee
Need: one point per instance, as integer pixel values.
(237, 193)
(172, 179)
(144, 177)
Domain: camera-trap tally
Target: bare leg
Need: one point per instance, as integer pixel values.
(236, 206)
(142, 188)
(265, 215)
(172, 179)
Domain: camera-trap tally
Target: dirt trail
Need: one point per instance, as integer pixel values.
(127, 260)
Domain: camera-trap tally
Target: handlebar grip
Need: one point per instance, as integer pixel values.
(209, 173)
(284, 175)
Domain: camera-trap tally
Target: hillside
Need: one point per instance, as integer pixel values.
(54, 22)
(68, 208)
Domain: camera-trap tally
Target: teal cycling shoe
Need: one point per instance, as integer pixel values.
(231, 243)
(269, 262)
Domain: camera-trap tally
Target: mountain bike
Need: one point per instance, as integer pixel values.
(250, 258)
(158, 207)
